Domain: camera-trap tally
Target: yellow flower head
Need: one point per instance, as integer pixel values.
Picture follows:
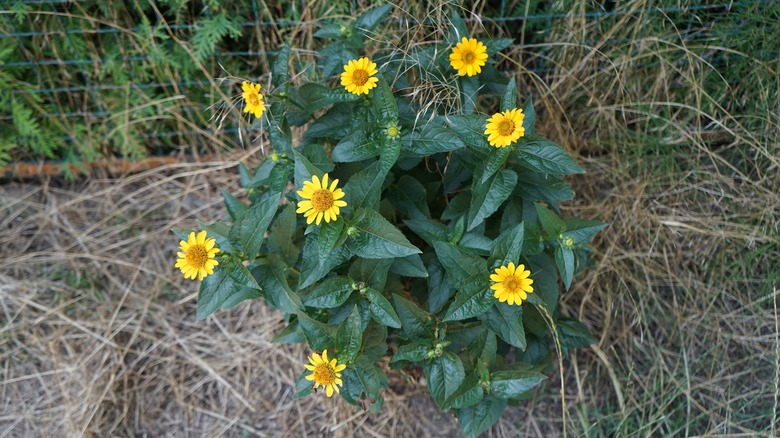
(325, 373)
(319, 200)
(505, 128)
(511, 285)
(358, 77)
(197, 258)
(468, 57)
(253, 99)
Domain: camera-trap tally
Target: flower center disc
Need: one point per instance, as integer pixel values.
(324, 375)
(253, 99)
(506, 127)
(359, 77)
(197, 255)
(468, 57)
(322, 200)
(512, 284)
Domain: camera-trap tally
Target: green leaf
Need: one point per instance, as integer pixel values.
(460, 266)
(246, 293)
(281, 237)
(384, 102)
(512, 384)
(413, 352)
(335, 123)
(272, 277)
(507, 322)
(330, 294)
(371, 18)
(476, 419)
(320, 336)
(280, 176)
(439, 287)
(279, 135)
(389, 153)
(248, 231)
(356, 147)
(329, 31)
(382, 310)
(291, 334)
(227, 280)
(564, 259)
(317, 156)
(550, 188)
(371, 377)
(304, 170)
(364, 188)
(349, 336)
(416, 324)
(470, 87)
(581, 230)
(409, 266)
(508, 246)
(431, 140)
(487, 197)
(551, 223)
(495, 161)
(542, 155)
(530, 117)
(471, 129)
(334, 56)
(374, 341)
(219, 231)
(473, 299)
(495, 45)
(468, 394)
(574, 334)
(372, 272)
(318, 97)
(280, 70)
(429, 230)
(445, 375)
(509, 99)
(377, 238)
(329, 235)
(314, 267)
(234, 207)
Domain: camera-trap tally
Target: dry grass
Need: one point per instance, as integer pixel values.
(98, 332)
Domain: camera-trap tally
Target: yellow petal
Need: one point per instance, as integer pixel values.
(310, 377)
(329, 390)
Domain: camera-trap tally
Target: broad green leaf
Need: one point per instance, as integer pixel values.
(389, 153)
(457, 29)
(542, 155)
(509, 99)
(574, 334)
(445, 375)
(246, 293)
(371, 377)
(508, 246)
(248, 231)
(381, 309)
(439, 286)
(304, 170)
(314, 267)
(416, 324)
(507, 322)
(281, 237)
(318, 96)
(319, 335)
(272, 277)
(329, 235)
(530, 117)
(374, 341)
(460, 265)
(227, 280)
(371, 18)
(476, 419)
(512, 384)
(279, 135)
(495, 45)
(409, 197)
(329, 294)
(384, 102)
(280, 69)
(547, 187)
(377, 238)
(364, 188)
(477, 242)
(431, 140)
(279, 177)
(551, 223)
(564, 259)
(291, 334)
(409, 266)
(473, 299)
(429, 230)
(545, 278)
(372, 272)
(470, 87)
(487, 197)
(333, 57)
(581, 230)
(495, 161)
(357, 146)
(468, 394)
(335, 124)
(471, 129)
(413, 352)
(329, 31)
(349, 337)
(317, 156)
(234, 207)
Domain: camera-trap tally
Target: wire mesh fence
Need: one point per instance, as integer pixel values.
(87, 79)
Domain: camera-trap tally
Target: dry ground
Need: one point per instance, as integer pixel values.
(98, 335)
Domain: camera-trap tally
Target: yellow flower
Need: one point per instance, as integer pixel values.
(197, 258)
(358, 77)
(324, 373)
(468, 57)
(253, 99)
(505, 128)
(319, 200)
(511, 284)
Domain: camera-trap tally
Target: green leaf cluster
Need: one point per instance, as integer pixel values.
(402, 276)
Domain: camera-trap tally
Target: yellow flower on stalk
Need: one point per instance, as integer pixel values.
(468, 57)
(253, 99)
(325, 373)
(197, 258)
(511, 285)
(319, 200)
(358, 77)
(505, 128)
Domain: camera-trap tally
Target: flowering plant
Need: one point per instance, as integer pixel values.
(393, 237)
